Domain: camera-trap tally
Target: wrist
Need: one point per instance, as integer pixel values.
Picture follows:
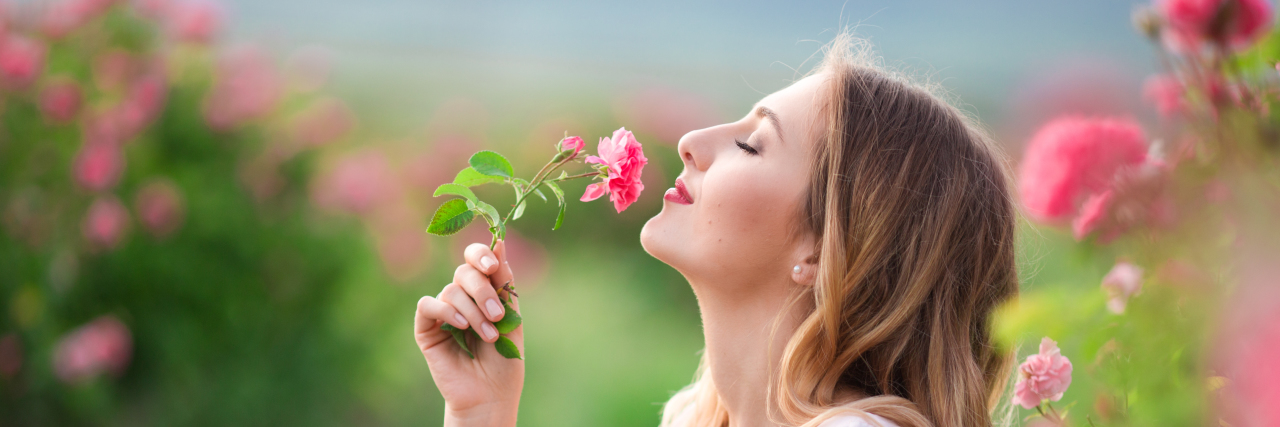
(488, 415)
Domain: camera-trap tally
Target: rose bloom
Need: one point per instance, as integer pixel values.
(60, 100)
(194, 21)
(99, 165)
(246, 86)
(159, 207)
(21, 61)
(625, 161)
(1123, 281)
(1166, 93)
(1044, 376)
(573, 143)
(106, 222)
(1189, 23)
(1071, 158)
(103, 345)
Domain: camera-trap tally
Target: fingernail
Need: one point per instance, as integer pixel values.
(488, 330)
(487, 262)
(462, 321)
(495, 309)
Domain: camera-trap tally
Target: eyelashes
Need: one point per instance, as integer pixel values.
(749, 149)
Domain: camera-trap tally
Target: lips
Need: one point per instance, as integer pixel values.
(678, 194)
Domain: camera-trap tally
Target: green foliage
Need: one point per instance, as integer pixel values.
(491, 164)
(470, 178)
(507, 348)
(451, 217)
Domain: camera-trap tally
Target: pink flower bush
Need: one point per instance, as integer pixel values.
(99, 165)
(358, 183)
(106, 222)
(60, 100)
(1072, 158)
(624, 161)
(102, 346)
(1190, 23)
(1123, 281)
(21, 61)
(159, 207)
(1166, 93)
(246, 87)
(1044, 376)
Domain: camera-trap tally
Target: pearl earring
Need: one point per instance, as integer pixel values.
(795, 269)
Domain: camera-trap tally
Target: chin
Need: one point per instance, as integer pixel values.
(657, 238)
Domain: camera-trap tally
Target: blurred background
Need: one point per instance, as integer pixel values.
(214, 212)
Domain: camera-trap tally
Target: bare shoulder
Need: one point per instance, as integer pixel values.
(850, 420)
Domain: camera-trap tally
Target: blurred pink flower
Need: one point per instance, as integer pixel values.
(401, 244)
(573, 143)
(1092, 213)
(194, 21)
(624, 158)
(60, 100)
(1073, 157)
(111, 69)
(246, 87)
(103, 345)
(1166, 93)
(1247, 346)
(159, 207)
(1189, 23)
(21, 61)
(1123, 281)
(63, 17)
(324, 121)
(142, 105)
(105, 223)
(1044, 376)
(99, 165)
(358, 183)
(10, 355)
(152, 9)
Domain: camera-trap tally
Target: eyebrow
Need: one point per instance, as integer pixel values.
(765, 113)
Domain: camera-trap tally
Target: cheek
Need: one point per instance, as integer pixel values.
(746, 212)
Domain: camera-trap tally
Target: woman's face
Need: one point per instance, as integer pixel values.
(732, 214)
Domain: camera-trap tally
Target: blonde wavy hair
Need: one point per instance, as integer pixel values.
(911, 203)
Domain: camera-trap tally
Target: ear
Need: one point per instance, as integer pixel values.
(804, 258)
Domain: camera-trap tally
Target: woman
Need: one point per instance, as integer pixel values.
(847, 241)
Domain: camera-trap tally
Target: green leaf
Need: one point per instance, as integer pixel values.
(495, 222)
(559, 197)
(510, 320)
(491, 164)
(470, 178)
(455, 189)
(519, 211)
(460, 337)
(450, 218)
(538, 191)
(507, 348)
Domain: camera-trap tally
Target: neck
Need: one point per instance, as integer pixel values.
(743, 349)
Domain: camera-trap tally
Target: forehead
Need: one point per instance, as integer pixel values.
(797, 107)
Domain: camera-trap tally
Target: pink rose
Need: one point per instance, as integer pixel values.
(60, 100)
(105, 224)
(1189, 23)
(246, 86)
(624, 159)
(1166, 93)
(103, 345)
(21, 61)
(1092, 214)
(1071, 158)
(1044, 376)
(1123, 281)
(99, 165)
(194, 21)
(573, 143)
(159, 207)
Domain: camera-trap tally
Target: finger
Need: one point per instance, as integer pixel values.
(503, 274)
(433, 309)
(480, 257)
(479, 287)
(426, 327)
(458, 298)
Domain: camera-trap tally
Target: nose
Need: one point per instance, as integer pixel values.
(697, 148)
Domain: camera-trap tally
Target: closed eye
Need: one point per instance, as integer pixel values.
(749, 149)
